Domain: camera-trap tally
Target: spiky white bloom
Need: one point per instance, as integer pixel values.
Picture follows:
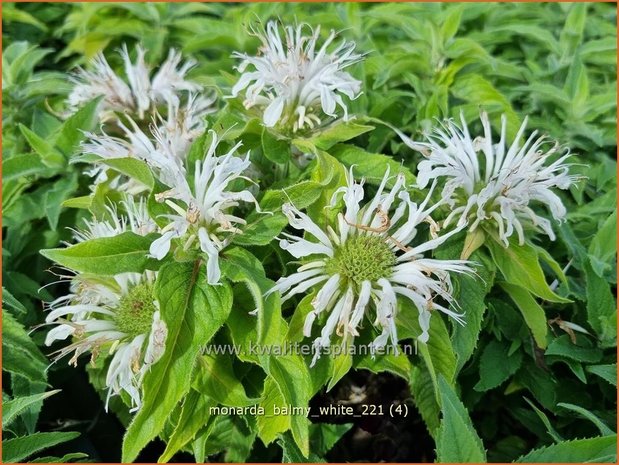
(168, 141)
(142, 93)
(293, 81)
(492, 182)
(201, 209)
(117, 313)
(369, 261)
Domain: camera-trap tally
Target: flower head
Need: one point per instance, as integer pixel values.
(369, 260)
(201, 209)
(119, 314)
(493, 182)
(294, 81)
(167, 142)
(142, 93)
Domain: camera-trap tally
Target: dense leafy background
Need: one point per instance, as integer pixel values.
(501, 394)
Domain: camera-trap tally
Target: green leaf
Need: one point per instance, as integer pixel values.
(292, 454)
(13, 408)
(261, 229)
(269, 425)
(50, 157)
(571, 35)
(399, 364)
(337, 132)
(12, 14)
(276, 150)
(564, 347)
(193, 312)
(371, 166)
(603, 246)
(601, 307)
(520, 266)
(606, 372)
(604, 430)
(195, 414)
(216, 380)
(17, 449)
(497, 365)
(240, 266)
(20, 166)
(127, 252)
(342, 363)
(323, 436)
(438, 353)
(66, 458)
(11, 302)
(600, 449)
(20, 355)
(424, 394)
(132, 167)
(471, 296)
(293, 380)
(450, 25)
(56, 195)
(456, 440)
(71, 132)
(533, 314)
(549, 428)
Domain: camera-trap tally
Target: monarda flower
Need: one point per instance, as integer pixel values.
(201, 209)
(142, 93)
(167, 141)
(491, 183)
(372, 258)
(293, 81)
(114, 314)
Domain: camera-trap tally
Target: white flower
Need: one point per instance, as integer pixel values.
(118, 314)
(492, 182)
(137, 220)
(369, 260)
(168, 141)
(201, 209)
(142, 93)
(293, 80)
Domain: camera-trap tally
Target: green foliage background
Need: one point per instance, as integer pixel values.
(488, 391)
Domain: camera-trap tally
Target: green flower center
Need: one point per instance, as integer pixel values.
(363, 258)
(134, 315)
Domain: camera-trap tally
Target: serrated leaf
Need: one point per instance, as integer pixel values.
(601, 307)
(261, 229)
(337, 132)
(533, 314)
(13, 408)
(600, 449)
(520, 266)
(342, 363)
(564, 347)
(20, 355)
(606, 372)
(276, 150)
(17, 449)
(193, 312)
(456, 440)
(195, 414)
(132, 167)
(496, 365)
(216, 380)
(72, 131)
(127, 252)
(50, 156)
(604, 430)
(371, 166)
